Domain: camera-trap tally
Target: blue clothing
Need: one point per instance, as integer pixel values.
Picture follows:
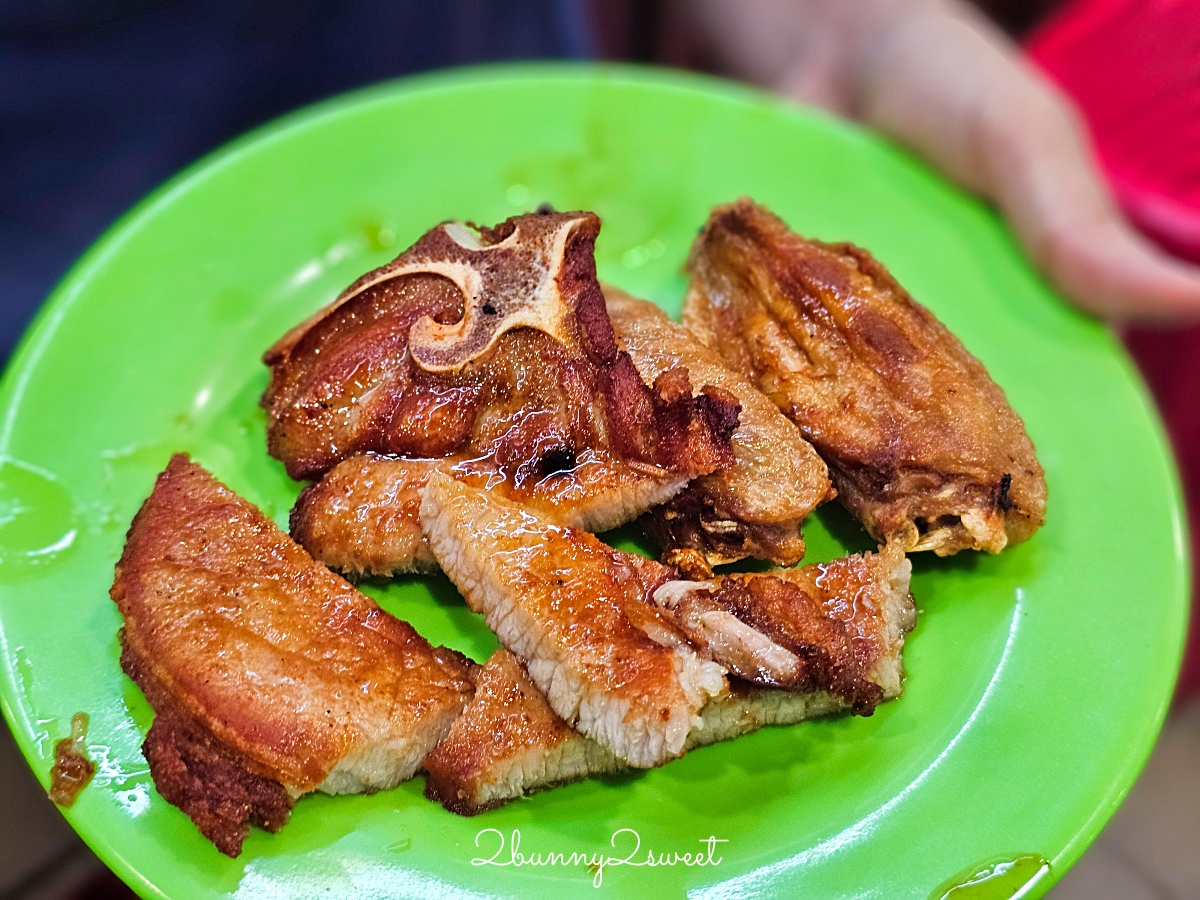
(101, 101)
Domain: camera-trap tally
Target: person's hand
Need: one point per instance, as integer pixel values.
(938, 77)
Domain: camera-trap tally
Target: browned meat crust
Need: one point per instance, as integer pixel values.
(511, 742)
(830, 625)
(506, 743)
(754, 507)
(796, 621)
(362, 517)
(343, 383)
(823, 616)
(922, 445)
(256, 657)
(493, 348)
(575, 611)
(218, 788)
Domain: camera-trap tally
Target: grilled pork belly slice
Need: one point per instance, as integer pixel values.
(836, 628)
(576, 613)
(754, 507)
(491, 349)
(361, 518)
(269, 675)
(923, 447)
(507, 743)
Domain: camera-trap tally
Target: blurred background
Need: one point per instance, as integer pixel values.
(101, 101)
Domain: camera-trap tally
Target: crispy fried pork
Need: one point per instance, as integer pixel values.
(754, 507)
(576, 612)
(507, 743)
(511, 742)
(923, 447)
(269, 675)
(361, 518)
(835, 628)
(749, 707)
(491, 350)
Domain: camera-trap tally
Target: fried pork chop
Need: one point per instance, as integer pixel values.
(269, 675)
(507, 743)
(361, 518)
(484, 352)
(754, 507)
(923, 447)
(511, 742)
(628, 652)
(576, 612)
(835, 628)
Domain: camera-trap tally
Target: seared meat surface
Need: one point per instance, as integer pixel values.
(754, 507)
(628, 652)
(481, 405)
(361, 518)
(836, 627)
(507, 743)
(491, 350)
(511, 742)
(922, 445)
(575, 611)
(269, 675)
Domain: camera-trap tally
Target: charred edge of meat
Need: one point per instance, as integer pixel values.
(682, 434)
(212, 783)
(665, 425)
(786, 614)
(299, 520)
(444, 790)
(577, 279)
(1003, 500)
(556, 460)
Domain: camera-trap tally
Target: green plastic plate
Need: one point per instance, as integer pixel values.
(1037, 679)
